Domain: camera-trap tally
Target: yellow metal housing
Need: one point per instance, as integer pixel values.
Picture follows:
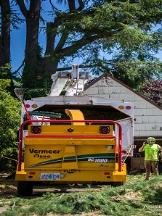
(69, 153)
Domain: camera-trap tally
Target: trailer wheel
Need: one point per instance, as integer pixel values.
(24, 188)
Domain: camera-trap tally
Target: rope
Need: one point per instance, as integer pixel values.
(128, 153)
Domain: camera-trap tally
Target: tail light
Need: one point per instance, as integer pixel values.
(31, 173)
(36, 129)
(104, 129)
(107, 173)
(128, 107)
(27, 105)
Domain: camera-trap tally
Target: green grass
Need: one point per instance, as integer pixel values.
(136, 197)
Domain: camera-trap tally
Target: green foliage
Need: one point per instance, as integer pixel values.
(126, 33)
(32, 93)
(135, 72)
(10, 121)
(4, 71)
(136, 197)
(123, 29)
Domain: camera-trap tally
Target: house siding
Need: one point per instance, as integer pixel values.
(147, 115)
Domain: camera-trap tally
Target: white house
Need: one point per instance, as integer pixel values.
(147, 114)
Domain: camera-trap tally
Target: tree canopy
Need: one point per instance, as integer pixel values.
(10, 122)
(110, 36)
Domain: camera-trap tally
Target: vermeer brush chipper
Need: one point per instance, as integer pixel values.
(70, 139)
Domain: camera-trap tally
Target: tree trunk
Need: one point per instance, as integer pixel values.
(5, 43)
(5, 33)
(51, 62)
(32, 68)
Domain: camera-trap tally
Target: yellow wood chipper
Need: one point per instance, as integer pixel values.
(73, 139)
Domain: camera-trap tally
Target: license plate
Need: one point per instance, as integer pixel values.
(50, 176)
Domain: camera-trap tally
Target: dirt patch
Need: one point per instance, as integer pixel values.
(133, 195)
(3, 209)
(8, 190)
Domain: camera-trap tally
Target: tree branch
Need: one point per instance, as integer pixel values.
(71, 4)
(81, 5)
(86, 39)
(53, 7)
(17, 71)
(61, 42)
(80, 66)
(22, 7)
(51, 35)
(58, 21)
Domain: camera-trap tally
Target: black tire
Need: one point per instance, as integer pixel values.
(24, 188)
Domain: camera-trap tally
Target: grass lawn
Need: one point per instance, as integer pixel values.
(136, 197)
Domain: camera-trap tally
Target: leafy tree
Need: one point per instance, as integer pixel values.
(85, 29)
(121, 31)
(10, 122)
(7, 17)
(153, 91)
